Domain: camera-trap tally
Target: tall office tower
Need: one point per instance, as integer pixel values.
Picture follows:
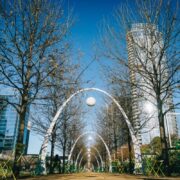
(144, 42)
(9, 123)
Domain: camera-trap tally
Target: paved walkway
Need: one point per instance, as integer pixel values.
(94, 176)
(85, 176)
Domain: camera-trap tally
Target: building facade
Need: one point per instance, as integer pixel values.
(144, 43)
(9, 124)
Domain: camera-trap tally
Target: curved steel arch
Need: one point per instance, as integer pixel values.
(95, 158)
(97, 161)
(78, 157)
(102, 164)
(100, 157)
(137, 151)
(80, 161)
(91, 132)
(83, 158)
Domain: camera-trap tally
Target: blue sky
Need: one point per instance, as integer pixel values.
(88, 14)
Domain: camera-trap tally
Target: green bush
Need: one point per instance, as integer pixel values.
(174, 161)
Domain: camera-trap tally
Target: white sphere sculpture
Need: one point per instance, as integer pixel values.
(90, 101)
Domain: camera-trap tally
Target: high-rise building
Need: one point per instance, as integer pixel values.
(143, 38)
(9, 124)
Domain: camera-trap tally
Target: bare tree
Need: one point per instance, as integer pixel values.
(112, 125)
(153, 56)
(57, 88)
(31, 32)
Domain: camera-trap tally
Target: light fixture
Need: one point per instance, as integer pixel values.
(90, 101)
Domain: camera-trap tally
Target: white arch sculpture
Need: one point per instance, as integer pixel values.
(78, 157)
(83, 157)
(92, 132)
(100, 157)
(102, 164)
(95, 158)
(137, 152)
(97, 161)
(80, 161)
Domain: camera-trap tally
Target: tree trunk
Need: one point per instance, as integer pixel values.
(115, 145)
(64, 159)
(20, 146)
(52, 149)
(60, 166)
(164, 143)
(105, 157)
(52, 155)
(130, 154)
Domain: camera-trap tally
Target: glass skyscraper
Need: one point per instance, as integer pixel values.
(9, 124)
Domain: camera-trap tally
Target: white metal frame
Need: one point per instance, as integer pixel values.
(136, 146)
(100, 157)
(92, 132)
